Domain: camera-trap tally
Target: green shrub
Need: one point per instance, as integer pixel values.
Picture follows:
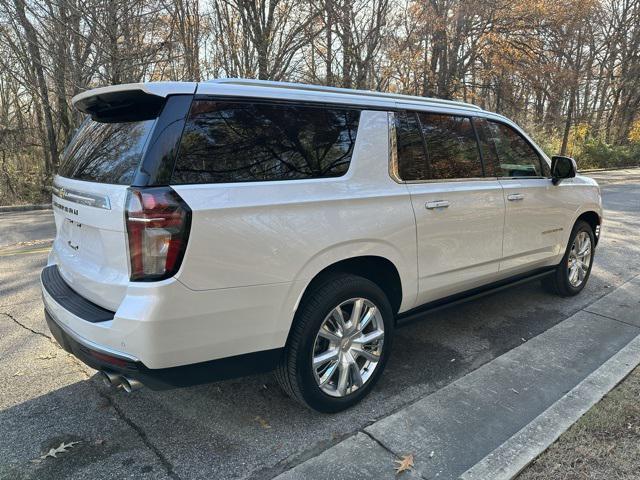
(598, 154)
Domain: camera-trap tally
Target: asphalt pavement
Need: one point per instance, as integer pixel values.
(247, 428)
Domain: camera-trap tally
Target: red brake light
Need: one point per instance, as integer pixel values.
(158, 223)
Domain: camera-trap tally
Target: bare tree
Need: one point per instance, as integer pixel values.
(569, 71)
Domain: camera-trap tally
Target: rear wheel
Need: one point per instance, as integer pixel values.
(339, 344)
(572, 273)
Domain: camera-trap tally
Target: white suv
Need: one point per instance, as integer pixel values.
(218, 229)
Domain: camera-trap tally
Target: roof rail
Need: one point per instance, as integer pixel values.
(343, 91)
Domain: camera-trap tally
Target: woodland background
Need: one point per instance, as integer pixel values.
(568, 71)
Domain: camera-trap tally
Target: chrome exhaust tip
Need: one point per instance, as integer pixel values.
(110, 379)
(130, 384)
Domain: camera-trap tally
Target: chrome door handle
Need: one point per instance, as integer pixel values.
(512, 197)
(437, 204)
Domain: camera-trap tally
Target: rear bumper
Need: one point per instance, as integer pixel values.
(99, 358)
(93, 336)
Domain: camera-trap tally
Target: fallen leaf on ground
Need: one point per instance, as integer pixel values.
(263, 423)
(47, 357)
(405, 463)
(62, 448)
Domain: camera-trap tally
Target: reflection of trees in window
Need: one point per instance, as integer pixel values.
(245, 142)
(517, 158)
(412, 159)
(106, 152)
(433, 146)
(452, 149)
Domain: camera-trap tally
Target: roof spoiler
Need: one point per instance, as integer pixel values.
(129, 102)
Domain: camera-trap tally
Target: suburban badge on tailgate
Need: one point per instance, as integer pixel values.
(65, 209)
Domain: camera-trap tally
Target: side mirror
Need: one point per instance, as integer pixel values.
(561, 168)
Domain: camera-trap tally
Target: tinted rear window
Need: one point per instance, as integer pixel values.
(435, 146)
(225, 142)
(412, 157)
(106, 152)
(452, 149)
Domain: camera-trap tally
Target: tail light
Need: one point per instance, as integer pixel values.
(158, 223)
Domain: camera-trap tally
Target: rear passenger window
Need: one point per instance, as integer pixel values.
(226, 142)
(452, 148)
(516, 157)
(487, 147)
(412, 158)
(434, 146)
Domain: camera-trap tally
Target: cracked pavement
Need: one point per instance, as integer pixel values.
(246, 428)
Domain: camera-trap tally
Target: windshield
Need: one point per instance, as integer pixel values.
(106, 152)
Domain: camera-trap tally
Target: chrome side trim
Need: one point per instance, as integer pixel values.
(452, 180)
(532, 177)
(80, 339)
(83, 198)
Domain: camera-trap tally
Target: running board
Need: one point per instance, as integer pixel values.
(418, 313)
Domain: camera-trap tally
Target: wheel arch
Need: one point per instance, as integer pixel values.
(593, 219)
(380, 270)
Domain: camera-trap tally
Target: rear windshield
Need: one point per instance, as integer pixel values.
(106, 152)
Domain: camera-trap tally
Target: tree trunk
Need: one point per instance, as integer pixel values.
(51, 163)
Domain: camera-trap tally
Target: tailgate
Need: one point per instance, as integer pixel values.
(91, 244)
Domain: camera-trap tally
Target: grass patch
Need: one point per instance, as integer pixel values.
(603, 444)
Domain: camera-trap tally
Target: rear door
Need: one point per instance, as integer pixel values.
(88, 200)
(459, 212)
(536, 212)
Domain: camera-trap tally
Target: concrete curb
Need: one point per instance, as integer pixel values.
(508, 460)
(24, 208)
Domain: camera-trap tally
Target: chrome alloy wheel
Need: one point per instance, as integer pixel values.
(347, 347)
(579, 259)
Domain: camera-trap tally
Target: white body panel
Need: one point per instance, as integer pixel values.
(254, 247)
(459, 245)
(536, 217)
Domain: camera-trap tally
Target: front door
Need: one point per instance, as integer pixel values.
(459, 212)
(536, 210)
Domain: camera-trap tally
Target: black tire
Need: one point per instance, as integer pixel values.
(295, 373)
(558, 282)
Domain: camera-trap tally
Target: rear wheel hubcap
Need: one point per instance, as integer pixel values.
(348, 347)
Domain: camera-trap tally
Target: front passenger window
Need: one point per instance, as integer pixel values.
(516, 157)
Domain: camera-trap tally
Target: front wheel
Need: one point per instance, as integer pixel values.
(572, 273)
(339, 344)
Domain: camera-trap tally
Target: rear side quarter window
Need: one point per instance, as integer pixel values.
(228, 142)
